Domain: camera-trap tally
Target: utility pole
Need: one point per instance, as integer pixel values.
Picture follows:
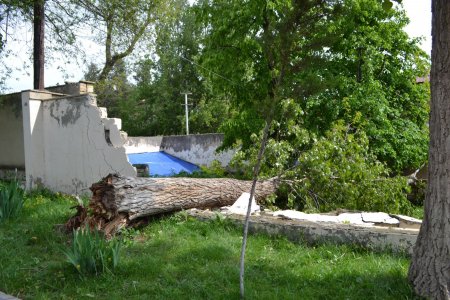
(187, 110)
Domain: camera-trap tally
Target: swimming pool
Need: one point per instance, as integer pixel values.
(161, 163)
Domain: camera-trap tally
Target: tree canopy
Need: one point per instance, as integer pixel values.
(346, 60)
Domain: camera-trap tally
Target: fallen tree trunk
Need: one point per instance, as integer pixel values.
(119, 200)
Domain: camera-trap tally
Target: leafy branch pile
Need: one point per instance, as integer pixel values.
(339, 172)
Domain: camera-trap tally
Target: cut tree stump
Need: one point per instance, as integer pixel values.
(116, 200)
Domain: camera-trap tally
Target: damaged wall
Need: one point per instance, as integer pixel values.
(12, 154)
(69, 142)
(199, 149)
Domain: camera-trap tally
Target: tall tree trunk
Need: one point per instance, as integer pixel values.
(38, 44)
(429, 272)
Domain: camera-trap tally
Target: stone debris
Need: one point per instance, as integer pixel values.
(357, 218)
(298, 215)
(353, 218)
(241, 205)
(379, 218)
(344, 218)
(366, 219)
(408, 222)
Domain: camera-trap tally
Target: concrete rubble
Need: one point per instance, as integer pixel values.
(368, 219)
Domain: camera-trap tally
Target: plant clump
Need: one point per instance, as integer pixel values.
(91, 253)
(11, 200)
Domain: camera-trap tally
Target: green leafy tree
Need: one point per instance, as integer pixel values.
(60, 20)
(254, 51)
(156, 106)
(360, 67)
(210, 112)
(112, 90)
(121, 27)
(371, 70)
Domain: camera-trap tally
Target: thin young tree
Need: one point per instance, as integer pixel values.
(258, 48)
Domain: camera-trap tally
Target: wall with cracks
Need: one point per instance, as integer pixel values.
(70, 143)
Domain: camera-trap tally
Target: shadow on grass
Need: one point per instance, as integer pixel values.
(266, 282)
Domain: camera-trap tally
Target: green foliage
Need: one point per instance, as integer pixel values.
(215, 170)
(326, 173)
(351, 61)
(11, 200)
(113, 89)
(128, 236)
(210, 112)
(90, 253)
(371, 75)
(255, 54)
(288, 138)
(339, 172)
(156, 105)
(126, 25)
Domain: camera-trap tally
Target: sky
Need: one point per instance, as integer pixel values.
(418, 11)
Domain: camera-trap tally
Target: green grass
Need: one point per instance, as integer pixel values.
(181, 258)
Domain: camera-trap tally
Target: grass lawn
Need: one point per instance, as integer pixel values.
(181, 258)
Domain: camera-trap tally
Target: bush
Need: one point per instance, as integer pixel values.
(11, 200)
(215, 170)
(90, 253)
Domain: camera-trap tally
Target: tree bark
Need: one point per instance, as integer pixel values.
(118, 198)
(38, 44)
(429, 272)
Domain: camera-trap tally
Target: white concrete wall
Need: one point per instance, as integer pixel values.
(12, 155)
(66, 147)
(142, 144)
(199, 149)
